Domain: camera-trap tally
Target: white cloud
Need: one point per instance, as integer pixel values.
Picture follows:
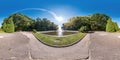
(58, 18)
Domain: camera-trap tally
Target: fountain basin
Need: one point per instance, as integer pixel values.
(55, 33)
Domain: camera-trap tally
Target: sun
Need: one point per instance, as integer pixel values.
(60, 19)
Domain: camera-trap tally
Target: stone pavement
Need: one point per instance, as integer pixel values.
(104, 46)
(95, 46)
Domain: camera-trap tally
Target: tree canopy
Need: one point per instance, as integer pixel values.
(111, 26)
(8, 25)
(21, 22)
(96, 21)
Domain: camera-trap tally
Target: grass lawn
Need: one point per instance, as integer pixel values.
(62, 41)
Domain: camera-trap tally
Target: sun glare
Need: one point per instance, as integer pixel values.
(59, 18)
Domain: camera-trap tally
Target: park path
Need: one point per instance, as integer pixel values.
(104, 46)
(14, 46)
(95, 46)
(24, 46)
(40, 51)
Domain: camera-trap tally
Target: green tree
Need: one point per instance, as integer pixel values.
(83, 29)
(99, 21)
(22, 22)
(96, 21)
(8, 25)
(44, 24)
(116, 26)
(110, 27)
(4, 26)
(75, 23)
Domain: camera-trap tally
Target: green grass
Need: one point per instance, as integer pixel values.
(63, 41)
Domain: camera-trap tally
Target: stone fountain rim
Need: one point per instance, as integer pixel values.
(55, 31)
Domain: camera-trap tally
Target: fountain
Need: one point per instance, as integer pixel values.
(60, 31)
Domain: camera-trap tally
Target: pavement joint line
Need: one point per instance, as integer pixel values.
(29, 54)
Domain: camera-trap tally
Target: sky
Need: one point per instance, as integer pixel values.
(63, 9)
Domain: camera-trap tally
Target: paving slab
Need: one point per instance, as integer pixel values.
(24, 46)
(104, 46)
(76, 52)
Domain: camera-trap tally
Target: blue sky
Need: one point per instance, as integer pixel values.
(64, 8)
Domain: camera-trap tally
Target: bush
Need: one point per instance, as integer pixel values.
(83, 29)
(8, 25)
(34, 31)
(111, 26)
(116, 26)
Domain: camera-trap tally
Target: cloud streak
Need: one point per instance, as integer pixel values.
(58, 18)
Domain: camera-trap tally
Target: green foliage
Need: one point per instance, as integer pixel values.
(111, 26)
(34, 31)
(83, 29)
(8, 25)
(44, 24)
(75, 23)
(4, 25)
(94, 22)
(116, 26)
(22, 22)
(98, 21)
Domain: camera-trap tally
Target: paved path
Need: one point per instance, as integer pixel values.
(104, 46)
(24, 46)
(95, 46)
(14, 47)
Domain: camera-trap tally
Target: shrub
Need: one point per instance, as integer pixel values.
(83, 29)
(111, 26)
(8, 25)
(34, 31)
(116, 26)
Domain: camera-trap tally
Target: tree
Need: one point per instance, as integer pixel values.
(75, 23)
(116, 26)
(99, 21)
(4, 26)
(22, 22)
(96, 21)
(83, 29)
(8, 25)
(44, 24)
(110, 27)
